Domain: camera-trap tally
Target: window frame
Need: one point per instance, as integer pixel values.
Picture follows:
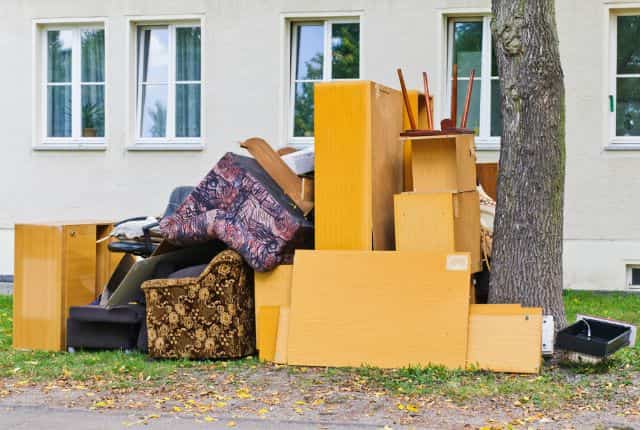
(484, 140)
(133, 143)
(171, 83)
(616, 142)
(76, 140)
(327, 22)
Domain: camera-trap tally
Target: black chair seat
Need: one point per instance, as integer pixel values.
(128, 314)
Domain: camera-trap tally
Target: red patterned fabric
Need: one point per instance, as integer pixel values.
(239, 204)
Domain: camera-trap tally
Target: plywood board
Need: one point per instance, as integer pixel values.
(269, 319)
(505, 338)
(79, 269)
(386, 309)
(38, 300)
(386, 156)
(443, 163)
(467, 226)
(419, 108)
(439, 222)
(272, 288)
(283, 336)
(424, 222)
(358, 164)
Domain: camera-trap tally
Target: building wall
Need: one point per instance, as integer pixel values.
(244, 90)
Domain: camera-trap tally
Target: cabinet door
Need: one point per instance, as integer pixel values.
(37, 300)
(79, 269)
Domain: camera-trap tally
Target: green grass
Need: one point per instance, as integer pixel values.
(116, 368)
(556, 383)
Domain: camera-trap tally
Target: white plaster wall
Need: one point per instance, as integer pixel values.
(245, 84)
(599, 264)
(6, 251)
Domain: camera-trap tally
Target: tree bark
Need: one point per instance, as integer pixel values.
(527, 248)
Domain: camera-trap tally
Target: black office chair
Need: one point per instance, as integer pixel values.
(145, 246)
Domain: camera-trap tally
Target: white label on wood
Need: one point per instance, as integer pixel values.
(457, 263)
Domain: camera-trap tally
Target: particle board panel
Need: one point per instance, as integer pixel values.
(283, 336)
(440, 222)
(387, 163)
(418, 106)
(79, 269)
(443, 163)
(269, 320)
(380, 308)
(467, 226)
(358, 164)
(55, 268)
(505, 338)
(37, 304)
(272, 288)
(419, 109)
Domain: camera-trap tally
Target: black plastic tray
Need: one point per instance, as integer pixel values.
(606, 337)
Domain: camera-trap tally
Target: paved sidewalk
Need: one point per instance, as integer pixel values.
(39, 417)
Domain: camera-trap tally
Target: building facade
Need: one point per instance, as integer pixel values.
(108, 105)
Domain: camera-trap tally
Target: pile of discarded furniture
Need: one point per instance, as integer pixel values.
(367, 250)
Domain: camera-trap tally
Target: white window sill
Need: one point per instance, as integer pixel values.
(165, 146)
(623, 145)
(300, 142)
(70, 146)
(487, 143)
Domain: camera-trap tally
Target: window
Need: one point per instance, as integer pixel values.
(169, 84)
(633, 276)
(626, 78)
(320, 51)
(74, 84)
(470, 47)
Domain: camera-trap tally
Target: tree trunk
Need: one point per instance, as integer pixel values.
(527, 248)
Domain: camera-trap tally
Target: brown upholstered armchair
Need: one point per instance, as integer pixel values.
(209, 316)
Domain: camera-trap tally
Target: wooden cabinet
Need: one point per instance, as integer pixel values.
(358, 164)
(439, 222)
(57, 265)
(443, 163)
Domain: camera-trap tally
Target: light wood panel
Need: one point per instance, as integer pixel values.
(269, 318)
(386, 309)
(505, 338)
(78, 269)
(37, 303)
(419, 108)
(272, 288)
(443, 163)
(466, 223)
(55, 267)
(283, 336)
(358, 164)
(439, 222)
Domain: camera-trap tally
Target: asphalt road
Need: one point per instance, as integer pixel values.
(38, 417)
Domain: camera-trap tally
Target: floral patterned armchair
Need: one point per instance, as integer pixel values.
(211, 316)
